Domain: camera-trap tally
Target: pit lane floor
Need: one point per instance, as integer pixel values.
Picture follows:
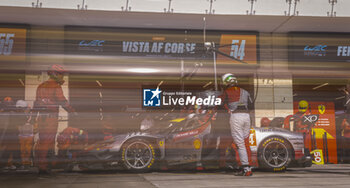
(316, 176)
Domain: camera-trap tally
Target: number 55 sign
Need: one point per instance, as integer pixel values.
(6, 43)
(12, 43)
(241, 47)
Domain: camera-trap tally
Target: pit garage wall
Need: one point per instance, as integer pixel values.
(274, 92)
(46, 47)
(275, 85)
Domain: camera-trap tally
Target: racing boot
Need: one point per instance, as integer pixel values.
(247, 171)
(244, 171)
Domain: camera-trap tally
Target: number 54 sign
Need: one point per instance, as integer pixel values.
(242, 47)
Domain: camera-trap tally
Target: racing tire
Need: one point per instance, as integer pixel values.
(230, 159)
(68, 168)
(138, 155)
(84, 167)
(274, 154)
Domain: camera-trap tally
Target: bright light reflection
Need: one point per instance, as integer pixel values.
(142, 70)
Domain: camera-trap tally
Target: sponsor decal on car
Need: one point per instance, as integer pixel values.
(186, 134)
(279, 169)
(273, 139)
(191, 133)
(252, 138)
(267, 129)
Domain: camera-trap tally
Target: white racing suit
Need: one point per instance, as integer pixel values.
(237, 100)
(240, 126)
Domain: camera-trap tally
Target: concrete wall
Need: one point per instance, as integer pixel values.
(274, 81)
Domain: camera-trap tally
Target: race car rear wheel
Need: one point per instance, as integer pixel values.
(275, 154)
(138, 155)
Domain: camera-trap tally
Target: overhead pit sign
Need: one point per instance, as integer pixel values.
(133, 42)
(317, 50)
(158, 47)
(241, 47)
(12, 44)
(343, 51)
(160, 43)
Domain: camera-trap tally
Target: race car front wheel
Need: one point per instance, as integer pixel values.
(275, 154)
(138, 155)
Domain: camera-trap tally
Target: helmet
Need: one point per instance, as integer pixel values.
(21, 104)
(7, 99)
(265, 122)
(8, 102)
(229, 79)
(303, 106)
(56, 70)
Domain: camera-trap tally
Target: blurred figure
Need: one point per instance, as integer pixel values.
(345, 127)
(237, 100)
(69, 142)
(302, 126)
(11, 156)
(6, 104)
(72, 136)
(276, 122)
(345, 140)
(221, 128)
(346, 91)
(107, 127)
(147, 123)
(26, 133)
(288, 123)
(49, 96)
(299, 125)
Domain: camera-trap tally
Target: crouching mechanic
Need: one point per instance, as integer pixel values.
(236, 100)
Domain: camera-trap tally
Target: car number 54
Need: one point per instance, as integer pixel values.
(252, 138)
